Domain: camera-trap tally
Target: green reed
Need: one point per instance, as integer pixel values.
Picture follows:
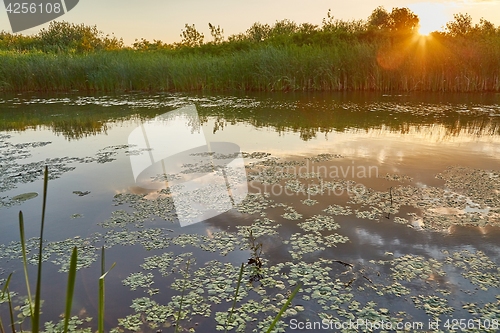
(100, 319)
(284, 307)
(434, 64)
(35, 318)
(240, 276)
(25, 262)
(71, 288)
(5, 289)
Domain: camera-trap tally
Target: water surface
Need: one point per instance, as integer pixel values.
(405, 188)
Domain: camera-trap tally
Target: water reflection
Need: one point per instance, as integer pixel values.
(406, 141)
(431, 117)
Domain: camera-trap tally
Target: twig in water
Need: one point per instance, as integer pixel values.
(389, 213)
(346, 264)
(182, 298)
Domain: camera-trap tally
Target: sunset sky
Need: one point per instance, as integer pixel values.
(163, 20)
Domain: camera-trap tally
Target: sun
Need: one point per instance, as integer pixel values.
(433, 16)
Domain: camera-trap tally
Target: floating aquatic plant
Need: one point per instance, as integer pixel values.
(254, 203)
(291, 214)
(409, 267)
(323, 157)
(295, 186)
(319, 223)
(477, 267)
(139, 279)
(309, 202)
(432, 305)
(338, 210)
(254, 306)
(398, 178)
(396, 289)
(260, 227)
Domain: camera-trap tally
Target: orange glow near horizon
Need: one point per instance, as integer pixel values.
(432, 16)
(417, 47)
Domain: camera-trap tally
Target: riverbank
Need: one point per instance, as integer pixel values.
(383, 53)
(341, 67)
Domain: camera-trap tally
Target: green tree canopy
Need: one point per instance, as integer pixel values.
(400, 20)
(191, 37)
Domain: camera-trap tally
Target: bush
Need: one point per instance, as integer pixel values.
(64, 36)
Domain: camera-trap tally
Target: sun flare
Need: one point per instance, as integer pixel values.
(433, 16)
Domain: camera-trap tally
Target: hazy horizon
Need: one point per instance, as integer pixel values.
(165, 20)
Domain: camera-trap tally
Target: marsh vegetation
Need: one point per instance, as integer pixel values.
(382, 53)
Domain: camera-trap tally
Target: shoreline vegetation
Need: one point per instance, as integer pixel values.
(382, 53)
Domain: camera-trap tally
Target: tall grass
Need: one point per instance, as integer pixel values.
(284, 307)
(70, 288)
(439, 64)
(238, 284)
(35, 317)
(25, 261)
(100, 319)
(5, 290)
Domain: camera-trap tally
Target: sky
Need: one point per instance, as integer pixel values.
(164, 19)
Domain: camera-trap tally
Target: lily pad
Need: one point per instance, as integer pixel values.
(25, 196)
(80, 193)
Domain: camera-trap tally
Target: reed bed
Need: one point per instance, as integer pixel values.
(343, 66)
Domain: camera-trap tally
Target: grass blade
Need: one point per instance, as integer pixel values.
(100, 319)
(11, 312)
(235, 295)
(71, 287)
(284, 307)
(6, 289)
(25, 261)
(36, 315)
(1, 326)
(100, 315)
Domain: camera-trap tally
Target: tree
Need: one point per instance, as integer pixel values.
(217, 33)
(379, 18)
(486, 28)
(65, 36)
(328, 22)
(403, 20)
(307, 28)
(258, 32)
(399, 20)
(191, 37)
(461, 27)
(284, 27)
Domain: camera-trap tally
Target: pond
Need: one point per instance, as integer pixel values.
(384, 208)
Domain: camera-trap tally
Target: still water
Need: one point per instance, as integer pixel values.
(385, 207)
